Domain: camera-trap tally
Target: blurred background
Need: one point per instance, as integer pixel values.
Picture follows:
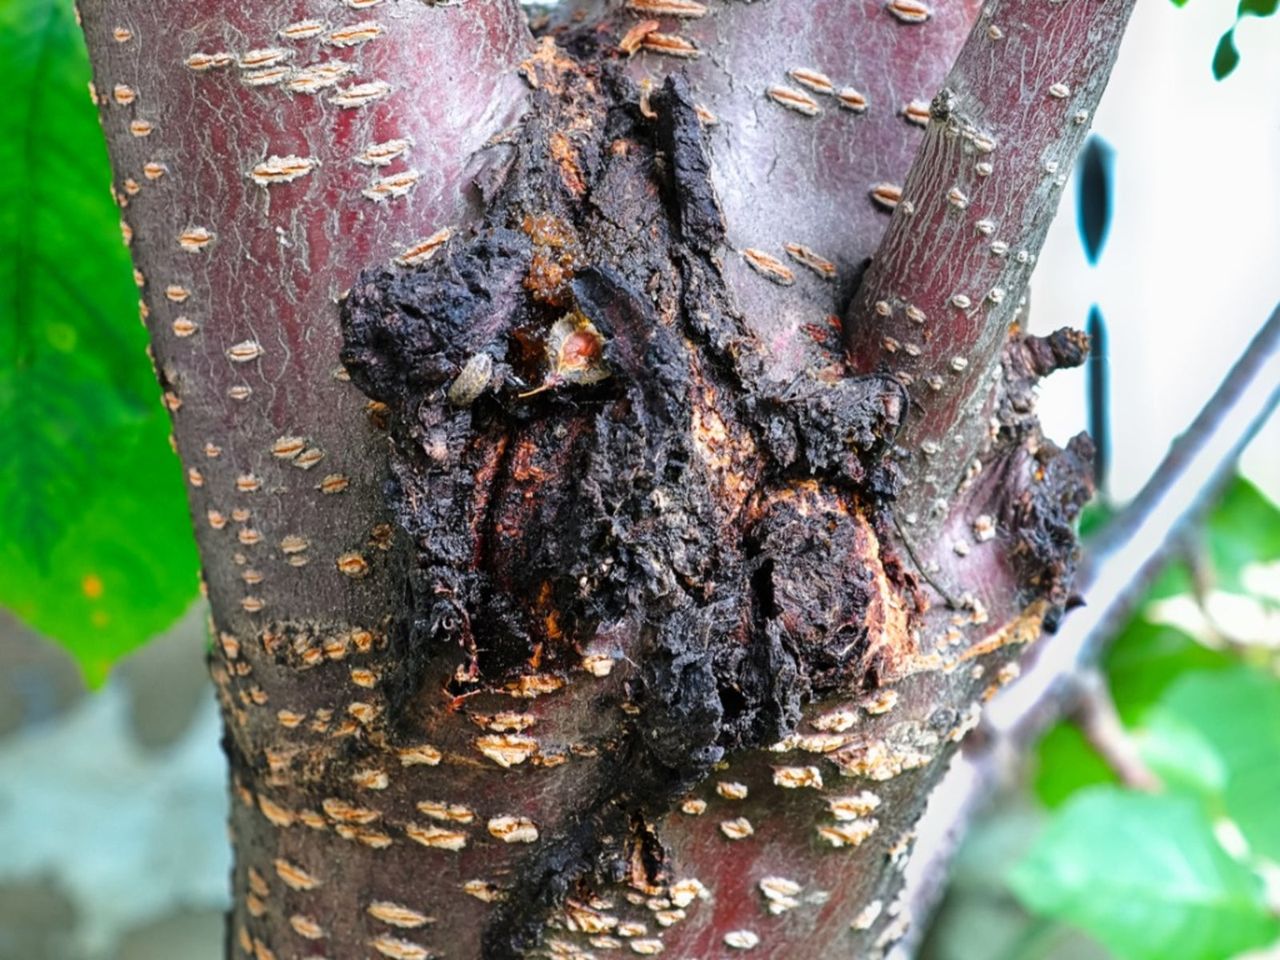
(112, 803)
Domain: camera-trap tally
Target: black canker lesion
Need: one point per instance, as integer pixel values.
(594, 496)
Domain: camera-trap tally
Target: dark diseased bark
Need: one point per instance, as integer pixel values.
(601, 477)
(620, 483)
(636, 646)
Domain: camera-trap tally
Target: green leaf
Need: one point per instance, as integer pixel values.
(1243, 529)
(1257, 8)
(1182, 757)
(95, 542)
(1064, 763)
(1226, 57)
(1173, 579)
(1147, 658)
(1145, 876)
(1237, 715)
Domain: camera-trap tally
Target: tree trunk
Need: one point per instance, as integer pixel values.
(638, 596)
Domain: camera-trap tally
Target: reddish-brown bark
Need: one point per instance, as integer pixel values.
(250, 197)
(508, 700)
(952, 274)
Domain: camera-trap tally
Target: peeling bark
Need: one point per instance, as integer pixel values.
(638, 640)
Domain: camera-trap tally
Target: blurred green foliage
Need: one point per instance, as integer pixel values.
(95, 539)
(1145, 874)
(1064, 764)
(1244, 530)
(1147, 658)
(1148, 875)
(1235, 718)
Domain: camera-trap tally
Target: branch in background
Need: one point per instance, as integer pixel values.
(1095, 714)
(949, 276)
(1123, 561)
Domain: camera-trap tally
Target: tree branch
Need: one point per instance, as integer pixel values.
(952, 270)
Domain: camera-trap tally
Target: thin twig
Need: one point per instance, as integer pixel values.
(1096, 715)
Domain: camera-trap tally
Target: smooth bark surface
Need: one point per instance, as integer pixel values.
(631, 652)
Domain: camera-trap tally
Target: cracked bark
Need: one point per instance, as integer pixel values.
(623, 642)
